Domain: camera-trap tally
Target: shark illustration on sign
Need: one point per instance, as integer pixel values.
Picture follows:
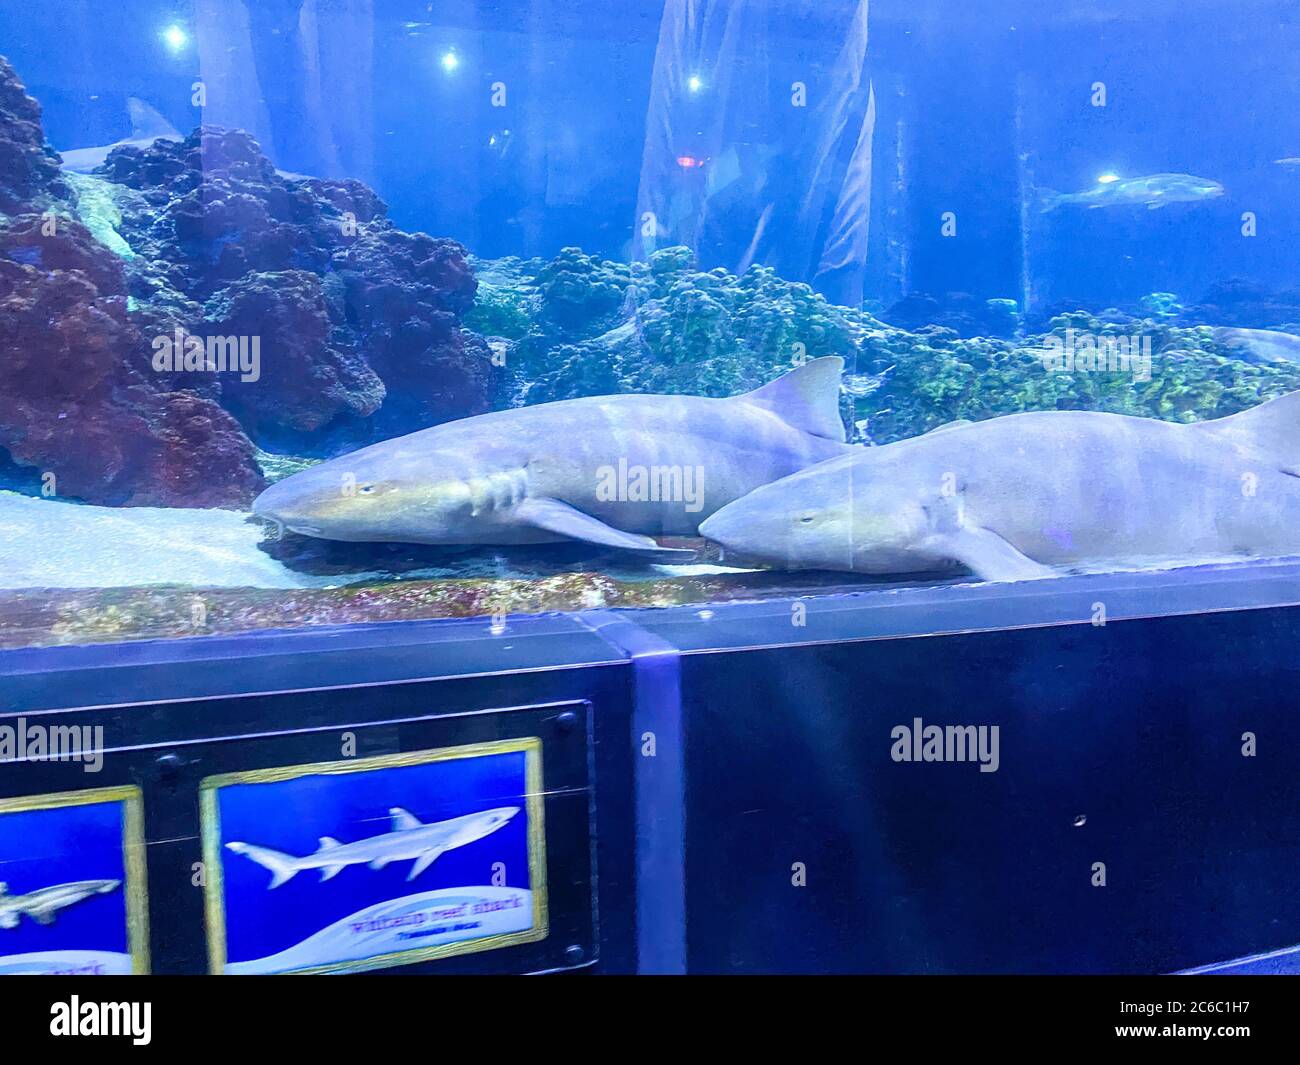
(409, 838)
(43, 905)
(147, 126)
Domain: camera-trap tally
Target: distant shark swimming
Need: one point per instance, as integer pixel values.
(1012, 497)
(147, 126)
(408, 839)
(1260, 345)
(1154, 190)
(43, 905)
(607, 470)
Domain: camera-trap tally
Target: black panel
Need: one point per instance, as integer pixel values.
(167, 747)
(1135, 726)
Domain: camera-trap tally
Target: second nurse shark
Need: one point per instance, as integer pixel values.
(1009, 498)
(1012, 497)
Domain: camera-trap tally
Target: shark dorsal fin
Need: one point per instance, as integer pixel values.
(403, 821)
(146, 123)
(807, 397)
(328, 843)
(1271, 430)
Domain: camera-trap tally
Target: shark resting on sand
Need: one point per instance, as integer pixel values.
(1012, 497)
(608, 470)
(43, 905)
(147, 126)
(408, 839)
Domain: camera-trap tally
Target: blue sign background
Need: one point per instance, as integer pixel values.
(292, 815)
(41, 848)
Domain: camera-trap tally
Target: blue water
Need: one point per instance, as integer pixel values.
(670, 196)
(1204, 88)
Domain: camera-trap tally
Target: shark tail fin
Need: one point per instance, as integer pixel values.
(808, 397)
(147, 123)
(1272, 429)
(283, 866)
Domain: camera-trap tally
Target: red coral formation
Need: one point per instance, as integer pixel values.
(357, 324)
(72, 405)
(29, 168)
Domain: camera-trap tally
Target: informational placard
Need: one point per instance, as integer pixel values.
(373, 862)
(72, 884)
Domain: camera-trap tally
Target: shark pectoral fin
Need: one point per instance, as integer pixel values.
(41, 916)
(328, 843)
(558, 517)
(379, 863)
(988, 555)
(422, 863)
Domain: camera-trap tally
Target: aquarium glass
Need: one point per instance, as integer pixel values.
(331, 311)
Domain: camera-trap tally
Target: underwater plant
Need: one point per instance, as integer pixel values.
(679, 329)
(665, 326)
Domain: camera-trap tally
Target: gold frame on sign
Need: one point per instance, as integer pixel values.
(214, 889)
(135, 890)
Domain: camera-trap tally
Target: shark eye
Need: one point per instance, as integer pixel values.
(365, 489)
(807, 519)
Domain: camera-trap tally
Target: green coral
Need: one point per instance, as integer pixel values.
(665, 326)
(1161, 305)
(98, 211)
(595, 327)
(278, 467)
(933, 377)
(506, 300)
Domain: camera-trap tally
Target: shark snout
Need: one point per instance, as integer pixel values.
(739, 526)
(716, 527)
(287, 508)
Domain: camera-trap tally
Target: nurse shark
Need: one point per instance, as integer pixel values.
(604, 469)
(1260, 345)
(44, 904)
(147, 126)
(1011, 497)
(408, 839)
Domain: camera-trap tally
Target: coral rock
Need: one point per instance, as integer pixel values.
(74, 407)
(29, 168)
